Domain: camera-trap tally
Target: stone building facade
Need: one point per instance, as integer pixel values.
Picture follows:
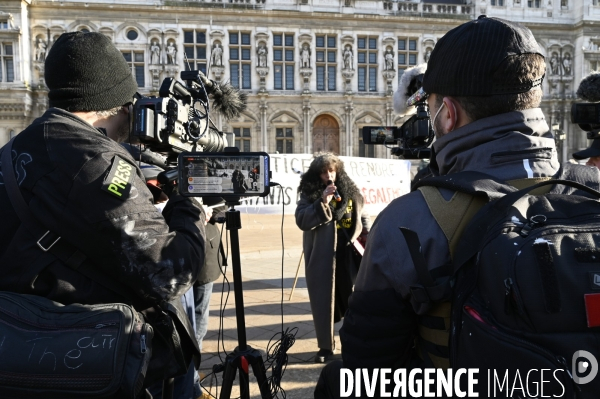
(316, 71)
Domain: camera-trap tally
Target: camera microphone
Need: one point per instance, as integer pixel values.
(227, 99)
(336, 195)
(589, 88)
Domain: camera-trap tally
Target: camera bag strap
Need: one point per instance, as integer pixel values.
(49, 241)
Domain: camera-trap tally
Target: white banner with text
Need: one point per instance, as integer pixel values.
(380, 181)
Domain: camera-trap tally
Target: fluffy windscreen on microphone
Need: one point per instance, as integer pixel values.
(408, 85)
(589, 88)
(228, 100)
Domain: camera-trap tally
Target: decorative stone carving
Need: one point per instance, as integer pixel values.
(306, 73)
(348, 58)
(40, 50)
(261, 51)
(389, 60)
(155, 71)
(217, 55)
(171, 53)
(389, 75)
(554, 64)
(348, 74)
(566, 63)
(217, 70)
(305, 56)
(154, 53)
(427, 54)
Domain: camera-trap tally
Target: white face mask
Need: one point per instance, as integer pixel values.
(435, 117)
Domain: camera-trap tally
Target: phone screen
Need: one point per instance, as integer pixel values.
(242, 174)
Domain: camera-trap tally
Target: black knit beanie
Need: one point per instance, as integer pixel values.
(86, 72)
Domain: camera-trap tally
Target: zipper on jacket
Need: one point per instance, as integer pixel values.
(143, 343)
(508, 284)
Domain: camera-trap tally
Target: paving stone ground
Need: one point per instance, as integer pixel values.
(262, 259)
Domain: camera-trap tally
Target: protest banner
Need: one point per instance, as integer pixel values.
(380, 181)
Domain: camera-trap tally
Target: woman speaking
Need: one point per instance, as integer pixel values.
(330, 213)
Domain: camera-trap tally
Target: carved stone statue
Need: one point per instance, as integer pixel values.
(217, 55)
(348, 58)
(427, 54)
(154, 53)
(567, 64)
(305, 56)
(171, 53)
(389, 60)
(40, 50)
(262, 55)
(554, 66)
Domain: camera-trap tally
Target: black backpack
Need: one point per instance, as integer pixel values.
(524, 287)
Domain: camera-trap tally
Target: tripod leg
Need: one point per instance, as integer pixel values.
(244, 378)
(228, 378)
(258, 368)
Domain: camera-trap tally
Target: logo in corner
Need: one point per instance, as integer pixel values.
(583, 362)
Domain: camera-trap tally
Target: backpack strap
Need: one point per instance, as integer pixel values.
(463, 207)
(453, 216)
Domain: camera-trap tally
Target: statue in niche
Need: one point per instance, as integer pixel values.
(305, 56)
(262, 55)
(389, 60)
(554, 66)
(154, 53)
(567, 64)
(217, 55)
(171, 53)
(348, 58)
(427, 54)
(40, 50)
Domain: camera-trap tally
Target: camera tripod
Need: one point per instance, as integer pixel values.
(244, 355)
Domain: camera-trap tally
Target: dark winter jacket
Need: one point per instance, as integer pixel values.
(381, 325)
(63, 166)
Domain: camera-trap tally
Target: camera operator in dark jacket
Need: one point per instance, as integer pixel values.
(87, 189)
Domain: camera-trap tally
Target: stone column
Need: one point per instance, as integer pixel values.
(306, 121)
(264, 137)
(349, 108)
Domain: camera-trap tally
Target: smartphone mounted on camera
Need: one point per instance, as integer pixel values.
(241, 174)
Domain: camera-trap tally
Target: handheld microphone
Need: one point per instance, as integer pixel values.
(336, 195)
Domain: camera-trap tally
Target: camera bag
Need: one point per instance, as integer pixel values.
(522, 294)
(75, 351)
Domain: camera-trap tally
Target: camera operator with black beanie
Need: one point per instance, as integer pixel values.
(483, 86)
(83, 187)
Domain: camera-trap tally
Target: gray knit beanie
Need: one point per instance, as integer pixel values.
(86, 72)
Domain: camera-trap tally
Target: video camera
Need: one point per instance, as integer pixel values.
(178, 120)
(413, 137)
(416, 134)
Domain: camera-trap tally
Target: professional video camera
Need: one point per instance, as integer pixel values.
(416, 134)
(178, 120)
(587, 115)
